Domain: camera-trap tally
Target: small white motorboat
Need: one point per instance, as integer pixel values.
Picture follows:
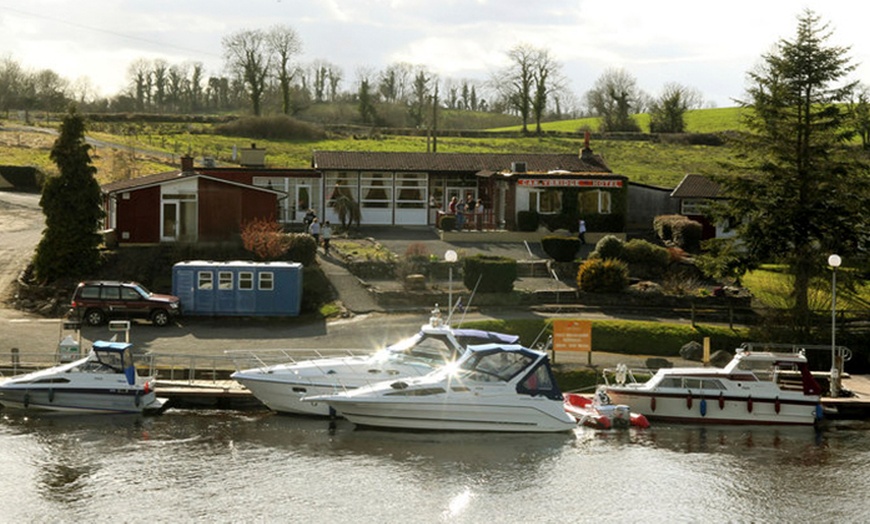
(105, 381)
(599, 412)
(282, 387)
(494, 387)
(756, 387)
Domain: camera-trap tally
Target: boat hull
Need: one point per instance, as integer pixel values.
(80, 400)
(286, 397)
(536, 415)
(683, 407)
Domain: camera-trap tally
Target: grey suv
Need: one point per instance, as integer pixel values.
(96, 301)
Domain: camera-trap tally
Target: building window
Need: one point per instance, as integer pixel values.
(411, 189)
(341, 184)
(594, 202)
(695, 206)
(545, 201)
(204, 280)
(377, 190)
(225, 280)
(246, 280)
(266, 281)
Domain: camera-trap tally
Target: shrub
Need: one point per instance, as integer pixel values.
(646, 259)
(301, 248)
(264, 238)
(561, 249)
(609, 247)
(495, 274)
(679, 230)
(280, 127)
(527, 221)
(416, 249)
(448, 223)
(602, 275)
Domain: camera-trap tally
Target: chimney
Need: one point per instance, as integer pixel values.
(186, 164)
(586, 152)
(252, 157)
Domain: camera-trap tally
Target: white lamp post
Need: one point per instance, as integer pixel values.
(450, 257)
(834, 261)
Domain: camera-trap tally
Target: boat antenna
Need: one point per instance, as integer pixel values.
(470, 298)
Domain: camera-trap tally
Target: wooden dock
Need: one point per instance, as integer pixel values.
(856, 406)
(206, 394)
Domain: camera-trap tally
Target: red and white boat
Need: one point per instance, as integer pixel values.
(756, 387)
(600, 413)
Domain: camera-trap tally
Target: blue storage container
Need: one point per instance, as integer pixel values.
(238, 288)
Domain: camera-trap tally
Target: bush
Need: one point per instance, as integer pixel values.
(606, 275)
(301, 248)
(316, 289)
(495, 274)
(609, 247)
(448, 223)
(561, 249)
(679, 230)
(646, 259)
(527, 221)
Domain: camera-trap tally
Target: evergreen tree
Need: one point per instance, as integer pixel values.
(71, 203)
(802, 193)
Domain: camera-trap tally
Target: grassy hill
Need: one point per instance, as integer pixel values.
(661, 164)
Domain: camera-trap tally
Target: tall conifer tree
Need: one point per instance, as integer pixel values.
(71, 203)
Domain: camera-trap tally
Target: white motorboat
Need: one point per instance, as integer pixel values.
(493, 387)
(756, 387)
(282, 387)
(104, 381)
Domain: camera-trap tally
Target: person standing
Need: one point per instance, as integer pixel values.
(460, 215)
(314, 230)
(326, 235)
(581, 232)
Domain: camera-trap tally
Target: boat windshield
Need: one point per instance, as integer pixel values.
(430, 347)
(109, 361)
(500, 365)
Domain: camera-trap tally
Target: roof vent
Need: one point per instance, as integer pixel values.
(518, 167)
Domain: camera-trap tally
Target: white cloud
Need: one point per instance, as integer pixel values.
(707, 45)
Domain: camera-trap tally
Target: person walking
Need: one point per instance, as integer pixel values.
(581, 232)
(314, 230)
(326, 235)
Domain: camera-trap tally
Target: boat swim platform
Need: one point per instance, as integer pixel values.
(206, 394)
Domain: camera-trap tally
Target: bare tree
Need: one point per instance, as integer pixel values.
(139, 72)
(547, 80)
(615, 98)
(284, 44)
(524, 85)
(247, 55)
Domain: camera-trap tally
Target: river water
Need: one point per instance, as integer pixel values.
(234, 466)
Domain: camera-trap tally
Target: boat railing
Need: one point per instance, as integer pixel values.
(622, 374)
(264, 358)
(20, 363)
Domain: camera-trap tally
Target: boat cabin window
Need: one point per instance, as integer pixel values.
(702, 383)
(501, 365)
(763, 370)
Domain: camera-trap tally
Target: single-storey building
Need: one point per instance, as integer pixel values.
(694, 195)
(185, 206)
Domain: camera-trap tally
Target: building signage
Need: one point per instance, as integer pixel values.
(572, 335)
(563, 182)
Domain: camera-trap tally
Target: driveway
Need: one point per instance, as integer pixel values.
(21, 224)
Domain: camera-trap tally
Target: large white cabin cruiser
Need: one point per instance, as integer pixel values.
(282, 387)
(105, 381)
(756, 387)
(494, 387)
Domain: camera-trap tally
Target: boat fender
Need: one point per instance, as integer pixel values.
(26, 399)
(820, 412)
(138, 398)
(721, 401)
(689, 400)
(703, 407)
(50, 394)
(776, 406)
(749, 404)
(652, 403)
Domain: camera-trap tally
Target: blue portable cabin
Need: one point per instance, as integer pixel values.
(238, 288)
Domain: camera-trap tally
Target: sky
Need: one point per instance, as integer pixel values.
(709, 46)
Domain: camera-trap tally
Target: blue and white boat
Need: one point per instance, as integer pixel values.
(105, 381)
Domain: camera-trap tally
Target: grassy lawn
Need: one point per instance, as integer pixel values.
(771, 285)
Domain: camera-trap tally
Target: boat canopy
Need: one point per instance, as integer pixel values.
(117, 356)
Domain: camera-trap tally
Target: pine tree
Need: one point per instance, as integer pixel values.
(802, 192)
(71, 203)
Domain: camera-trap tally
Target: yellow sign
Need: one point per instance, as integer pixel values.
(572, 335)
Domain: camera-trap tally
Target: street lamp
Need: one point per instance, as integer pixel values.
(450, 257)
(834, 261)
